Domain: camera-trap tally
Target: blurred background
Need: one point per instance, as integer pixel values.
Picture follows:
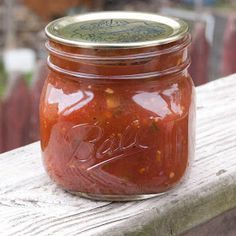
(22, 54)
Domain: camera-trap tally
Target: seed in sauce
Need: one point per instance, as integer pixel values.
(109, 90)
(171, 175)
(158, 156)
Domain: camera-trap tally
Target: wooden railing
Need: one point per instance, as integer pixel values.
(19, 122)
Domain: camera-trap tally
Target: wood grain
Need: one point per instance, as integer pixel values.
(30, 204)
(222, 225)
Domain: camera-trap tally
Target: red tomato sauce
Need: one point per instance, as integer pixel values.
(115, 135)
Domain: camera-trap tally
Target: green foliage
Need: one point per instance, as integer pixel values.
(3, 79)
(28, 78)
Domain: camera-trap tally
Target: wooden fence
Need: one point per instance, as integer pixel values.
(19, 115)
(19, 122)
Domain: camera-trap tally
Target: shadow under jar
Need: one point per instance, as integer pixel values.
(117, 111)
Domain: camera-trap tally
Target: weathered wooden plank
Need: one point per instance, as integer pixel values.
(222, 225)
(30, 204)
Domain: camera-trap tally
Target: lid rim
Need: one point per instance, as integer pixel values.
(181, 31)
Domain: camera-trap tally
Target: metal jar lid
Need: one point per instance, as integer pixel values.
(116, 30)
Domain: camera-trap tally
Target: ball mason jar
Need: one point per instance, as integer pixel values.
(117, 111)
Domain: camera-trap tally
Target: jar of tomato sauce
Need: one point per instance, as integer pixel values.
(117, 110)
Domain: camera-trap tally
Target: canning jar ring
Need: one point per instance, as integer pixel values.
(148, 75)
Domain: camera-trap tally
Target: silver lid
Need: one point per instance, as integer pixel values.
(116, 30)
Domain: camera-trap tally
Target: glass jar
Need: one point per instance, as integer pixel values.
(117, 110)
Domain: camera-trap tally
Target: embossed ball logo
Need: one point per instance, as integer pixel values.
(89, 143)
